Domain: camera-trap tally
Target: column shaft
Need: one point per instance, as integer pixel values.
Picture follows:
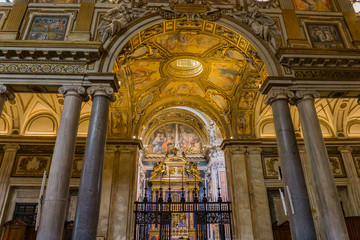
(57, 190)
(88, 204)
(329, 203)
(301, 222)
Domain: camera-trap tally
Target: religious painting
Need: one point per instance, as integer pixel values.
(271, 166)
(180, 42)
(356, 158)
(167, 137)
(223, 74)
(314, 5)
(325, 36)
(48, 28)
(28, 165)
(337, 165)
(189, 141)
(77, 166)
(145, 73)
(164, 139)
(183, 88)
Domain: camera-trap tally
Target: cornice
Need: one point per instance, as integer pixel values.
(66, 51)
(319, 58)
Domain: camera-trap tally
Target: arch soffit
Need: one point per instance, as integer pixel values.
(192, 102)
(117, 43)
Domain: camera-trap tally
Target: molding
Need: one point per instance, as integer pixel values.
(48, 51)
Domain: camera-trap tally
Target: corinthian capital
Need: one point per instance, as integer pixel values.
(5, 93)
(102, 90)
(275, 94)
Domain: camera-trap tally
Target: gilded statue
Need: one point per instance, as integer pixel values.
(159, 168)
(191, 169)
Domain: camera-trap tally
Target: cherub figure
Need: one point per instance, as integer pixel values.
(159, 168)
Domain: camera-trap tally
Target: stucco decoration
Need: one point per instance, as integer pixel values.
(261, 24)
(119, 17)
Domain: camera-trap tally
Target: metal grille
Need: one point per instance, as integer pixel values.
(182, 220)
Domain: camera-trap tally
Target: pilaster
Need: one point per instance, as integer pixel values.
(106, 190)
(123, 191)
(238, 189)
(83, 21)
(11, 28)
(5, 174)
(352, 176)
(261, 210)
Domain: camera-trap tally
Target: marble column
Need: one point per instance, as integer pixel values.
(5, 173)
(238, 190)
(300, 219)
(328, 198)
(5, 95)
(88, 202)
(261, 211)
(123, 192)
(352, 176)
(56, 196)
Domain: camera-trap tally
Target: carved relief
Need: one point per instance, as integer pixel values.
(271, 166)
(31, 165)
(337, 165)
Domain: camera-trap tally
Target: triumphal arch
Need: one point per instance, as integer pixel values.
(180, 119)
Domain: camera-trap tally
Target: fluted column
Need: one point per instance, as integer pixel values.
(261, 211)
(301, 222)
(88, 204)
(352, 176)
(238, 189)
(57, 189)
(5, 172)
(328, 198)
(5, 95)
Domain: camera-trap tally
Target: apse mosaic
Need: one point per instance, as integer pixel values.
(48, 28)
(168, 137)
(314, 5)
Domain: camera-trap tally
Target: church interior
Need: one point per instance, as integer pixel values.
(179, 119)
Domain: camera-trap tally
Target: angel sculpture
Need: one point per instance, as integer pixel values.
(262, 25)
(118, 18)
(192, 169)
(159, 168)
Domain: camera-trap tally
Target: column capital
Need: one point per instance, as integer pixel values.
(101, 90)
(301, 148)
(305, 94)
(79, 91)
(6, 93)
(254, 149)
(110, 148)
(278, 93)
(11, 147)
(345, 149)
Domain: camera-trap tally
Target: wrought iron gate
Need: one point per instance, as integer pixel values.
(182, 220)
